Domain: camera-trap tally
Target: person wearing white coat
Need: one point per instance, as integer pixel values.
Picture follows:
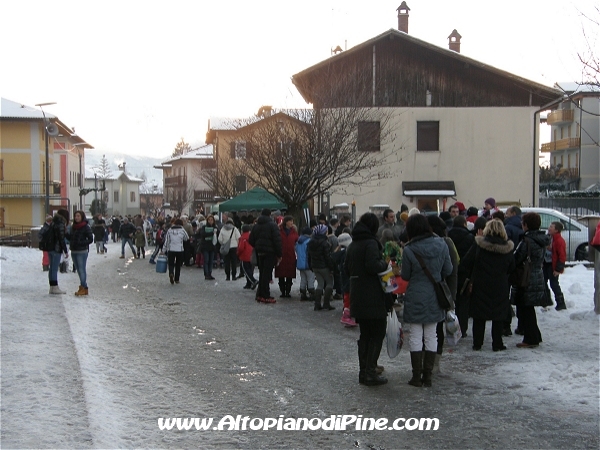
(230, 236)
(173, 247)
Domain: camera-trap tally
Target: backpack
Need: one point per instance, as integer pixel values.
(46, 237)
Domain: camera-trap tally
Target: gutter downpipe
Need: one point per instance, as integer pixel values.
(374, 63)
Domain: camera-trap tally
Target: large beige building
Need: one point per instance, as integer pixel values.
(460, 130)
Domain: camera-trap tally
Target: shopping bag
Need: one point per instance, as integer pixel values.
(453, 333)
(394, 335)
(387, 279)
(64, 263)
(401, 286)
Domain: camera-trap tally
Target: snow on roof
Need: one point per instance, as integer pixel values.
(571, 87)
(14, 110)
(203, 152)
(432, 193)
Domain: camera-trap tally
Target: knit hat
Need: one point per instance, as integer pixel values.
(344, 239)
(320, 229)
(404, 217)
(490, 201)
(265, 212)
(461, 207)
(413, 211)
(472, 211)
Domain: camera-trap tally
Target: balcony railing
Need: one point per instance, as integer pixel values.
(560, 116)
(28, 189)
(16, 235)
(176, 181)
(561, 144)
(204, 195)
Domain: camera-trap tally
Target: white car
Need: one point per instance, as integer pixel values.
(574, 233)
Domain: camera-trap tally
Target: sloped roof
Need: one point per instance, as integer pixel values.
(444, 52)
(203, 152)
(18, 111)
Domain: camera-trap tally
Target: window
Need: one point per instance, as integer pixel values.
(132, 196)
(428, 136)
(238, 150)
(368, 136)
(116, 197)
(240, 183)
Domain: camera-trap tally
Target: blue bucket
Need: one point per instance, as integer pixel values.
(161, 264)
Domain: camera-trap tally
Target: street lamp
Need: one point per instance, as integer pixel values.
(46, 139)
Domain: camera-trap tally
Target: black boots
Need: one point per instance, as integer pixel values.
(362, 360)
(428, 367)
(371, 376)
(327, 299)
(285, 286)
(560, 303)
(317, 298)
(416, 360)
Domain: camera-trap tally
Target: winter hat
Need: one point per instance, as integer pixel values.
(490, 201)
(139, 228)
(460, 206)
(230, 221)
(344, 239)
(413, 211)
(265, 212)
(404, 216)
(320, 229)
(472, 211)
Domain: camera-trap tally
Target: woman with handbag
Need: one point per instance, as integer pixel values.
(530, 292)
(229, 238)
(425, 261)
(489, 262)
(362, 264)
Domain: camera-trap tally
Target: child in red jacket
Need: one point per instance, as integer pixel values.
(244, 253)
(554, 263)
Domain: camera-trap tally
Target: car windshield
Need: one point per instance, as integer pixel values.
(547, 219)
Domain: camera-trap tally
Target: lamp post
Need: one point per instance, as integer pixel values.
(47, 203)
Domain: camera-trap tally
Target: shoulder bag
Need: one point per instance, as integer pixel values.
(227, 245)
(442, 290)
(520, 277)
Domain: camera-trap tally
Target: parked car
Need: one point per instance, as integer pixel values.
(574, 233)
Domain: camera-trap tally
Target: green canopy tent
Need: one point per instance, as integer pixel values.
(256, 198)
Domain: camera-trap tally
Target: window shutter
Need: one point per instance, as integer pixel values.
(248, 150)
(232, 149)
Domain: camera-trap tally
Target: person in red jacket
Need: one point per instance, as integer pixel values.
(554, 263)
(244, 253)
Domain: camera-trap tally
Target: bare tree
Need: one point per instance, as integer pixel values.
(589, 58)
(303, 153)
(180, 198)
(181, 148)
(222, 178)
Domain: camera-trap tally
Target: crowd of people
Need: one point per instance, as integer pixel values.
(491, 261)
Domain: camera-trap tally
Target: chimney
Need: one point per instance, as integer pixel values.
(403, 10)
(454, 41)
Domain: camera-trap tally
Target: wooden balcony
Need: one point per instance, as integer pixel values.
(204, 195)
(176, 181)
(561, 144)
(28, 189)
(560, 116)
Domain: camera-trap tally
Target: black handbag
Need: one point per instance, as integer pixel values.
(520, 277)
(442, 290)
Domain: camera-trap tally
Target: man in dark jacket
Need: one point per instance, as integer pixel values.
(266, 240)
(115, 228)
(127, 231)
(512, 224)
(463, 240)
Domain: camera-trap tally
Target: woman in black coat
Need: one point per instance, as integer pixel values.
(535, 242)
(489, 263)
(363, 262)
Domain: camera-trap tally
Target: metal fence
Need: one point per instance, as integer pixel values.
(16, 235)
(573, 207)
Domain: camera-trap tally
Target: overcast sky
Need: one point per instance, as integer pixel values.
(137, 76)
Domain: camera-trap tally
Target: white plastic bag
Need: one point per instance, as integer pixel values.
(453, 333)
(394, 335)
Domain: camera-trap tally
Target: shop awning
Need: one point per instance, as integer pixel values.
(428, 189)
